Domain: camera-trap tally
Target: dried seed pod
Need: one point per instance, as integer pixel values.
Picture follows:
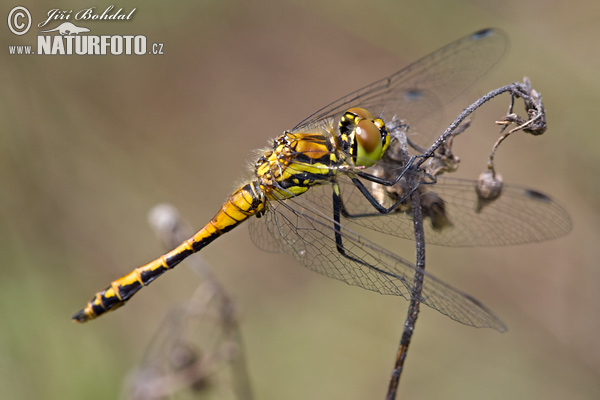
(489, 188)
(434, 207)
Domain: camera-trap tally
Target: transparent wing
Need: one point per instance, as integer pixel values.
(520, 215)
(304, 231)
(418, 92)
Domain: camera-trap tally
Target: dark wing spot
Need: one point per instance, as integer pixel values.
(481, 34)
(534, 194)
(413, 94)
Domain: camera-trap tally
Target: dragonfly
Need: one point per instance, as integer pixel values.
(321, 182)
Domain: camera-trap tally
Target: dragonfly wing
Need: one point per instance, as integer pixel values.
(520, 215)
(307, 233)
(263, 232)
(416, 93)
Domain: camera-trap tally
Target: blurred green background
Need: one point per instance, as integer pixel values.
(90, 144)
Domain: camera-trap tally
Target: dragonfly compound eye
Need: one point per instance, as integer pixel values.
(369, 146)
(367, 137)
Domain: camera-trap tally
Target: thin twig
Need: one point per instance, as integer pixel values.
(413, 308)
(530, 97)
(535, 125)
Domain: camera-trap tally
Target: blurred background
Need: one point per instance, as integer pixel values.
(89, 144)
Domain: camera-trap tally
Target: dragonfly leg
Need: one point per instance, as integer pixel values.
(372, 200)
(337, 228)
(337, 209)
(387, 182)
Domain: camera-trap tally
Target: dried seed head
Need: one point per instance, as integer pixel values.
(434, 207)
(441, 164)
(489, 189)
(489, 186)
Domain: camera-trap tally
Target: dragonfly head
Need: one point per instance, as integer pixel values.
(366, 137)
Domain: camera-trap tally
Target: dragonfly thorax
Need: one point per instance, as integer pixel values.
(297, 161)
(366, 138)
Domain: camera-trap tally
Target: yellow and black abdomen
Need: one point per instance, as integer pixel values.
(243, 203)
(297, 162)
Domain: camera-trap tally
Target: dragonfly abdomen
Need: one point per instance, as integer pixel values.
(248, 200)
